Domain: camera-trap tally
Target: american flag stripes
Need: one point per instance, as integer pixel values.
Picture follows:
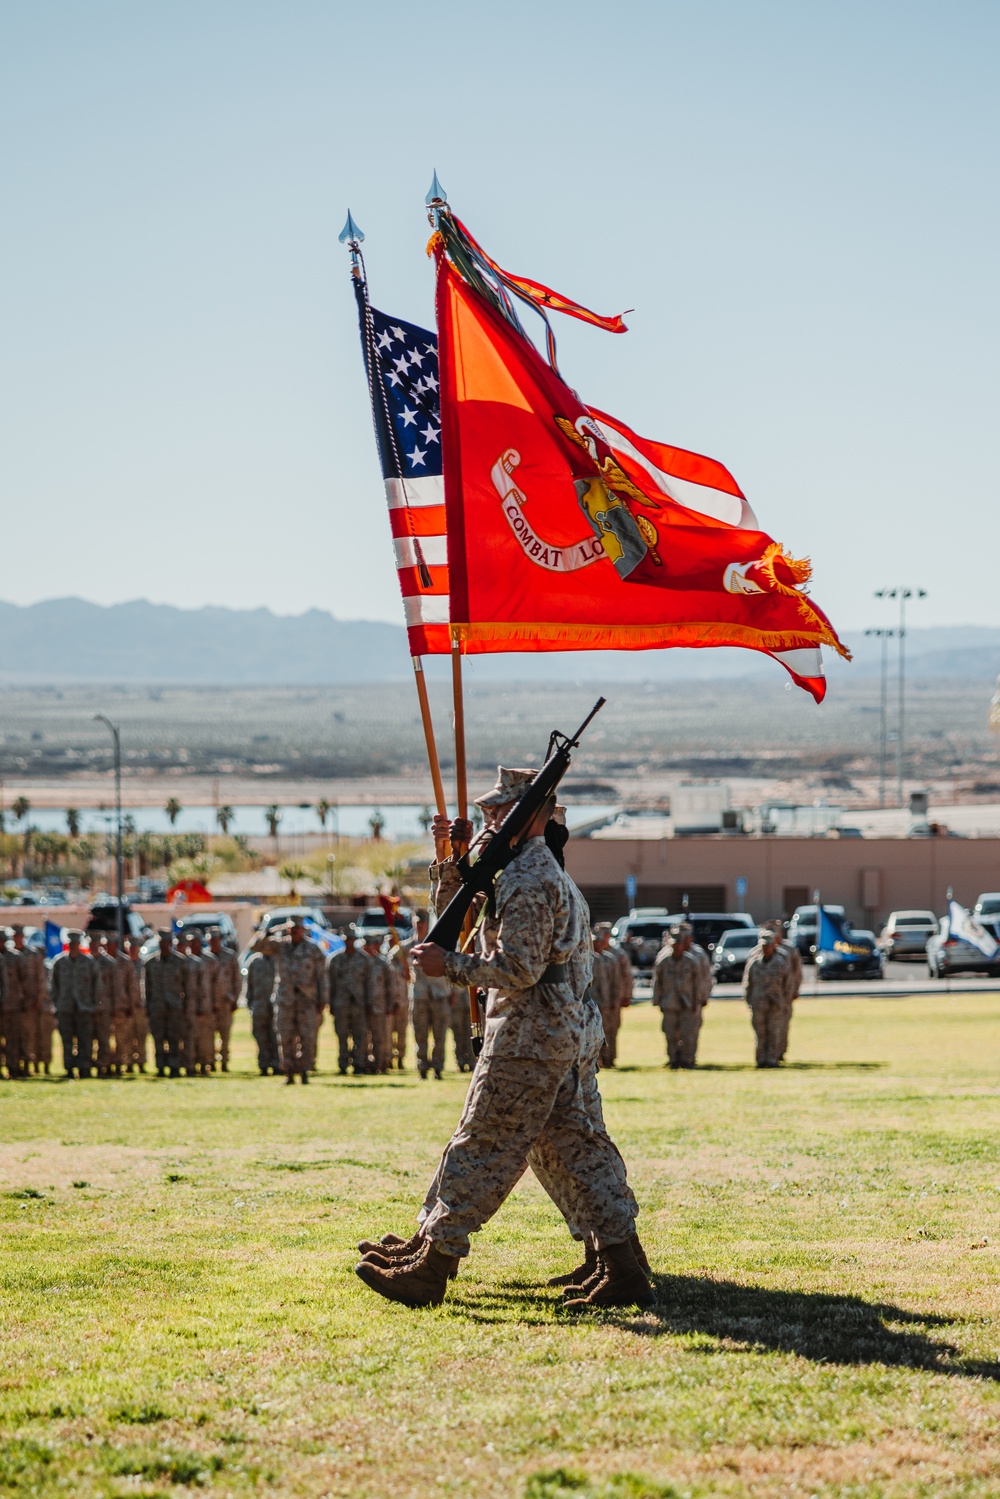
(402, 364)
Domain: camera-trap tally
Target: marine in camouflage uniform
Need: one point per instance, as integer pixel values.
(682, 984)
(114, 1015)
(224, 985)
(399, 1016)
(585, 1114)
(527, 1079)
(379, 1000)
(38, 1017)
(261, 971)
(347, 979)
(770, 987)
(430, 1009)
(298, 1004)
(137, 996)
(612, 985)
(12, 1019)
(74, 983)
(102, 1005)
(199, 1019)
(164, 982)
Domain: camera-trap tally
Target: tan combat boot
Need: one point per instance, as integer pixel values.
(640, 1255)
(392, 1244)
(581, 1273)
(622, 1284)
(421, 1282)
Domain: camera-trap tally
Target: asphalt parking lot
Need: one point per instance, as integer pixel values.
(900, 979)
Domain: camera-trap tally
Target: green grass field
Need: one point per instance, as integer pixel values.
(180, 1313)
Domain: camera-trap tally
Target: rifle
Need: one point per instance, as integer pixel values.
(503, 843)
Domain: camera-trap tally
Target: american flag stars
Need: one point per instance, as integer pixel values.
(408, 366)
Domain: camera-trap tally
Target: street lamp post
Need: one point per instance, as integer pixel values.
(116, 736)
(885, 636)
(902, 594)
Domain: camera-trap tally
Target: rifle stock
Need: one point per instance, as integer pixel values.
(479, 878)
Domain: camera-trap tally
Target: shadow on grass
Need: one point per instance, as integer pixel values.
(620, 1071)
(792, 1067)
(825, 1328)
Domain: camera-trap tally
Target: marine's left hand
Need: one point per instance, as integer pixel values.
(429, 958)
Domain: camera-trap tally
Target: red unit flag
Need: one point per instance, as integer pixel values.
(567, 531)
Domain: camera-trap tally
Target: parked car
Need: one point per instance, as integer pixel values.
(947, 954)
(372, 923)
(640, 934)
(856, 955)
(731, 952)
(104, 918)
(709, 926)
(987, 911)
(802, 928)
(907, 933)
(204, 922)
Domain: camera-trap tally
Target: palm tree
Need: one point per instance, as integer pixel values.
(73, 822)
(323, 810)
(292, 873)
(173, 810)
(225, 816)
(425, 819)
(20, 807)
(377, 824)
(272, 816)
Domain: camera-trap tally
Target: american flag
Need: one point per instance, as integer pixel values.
(402, 365)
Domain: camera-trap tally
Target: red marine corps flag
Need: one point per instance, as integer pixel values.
(568, 531)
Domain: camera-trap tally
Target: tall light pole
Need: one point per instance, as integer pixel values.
(885, 636)
(902, 594)
(116, 736)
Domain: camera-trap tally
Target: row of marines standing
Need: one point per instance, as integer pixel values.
(372, 999)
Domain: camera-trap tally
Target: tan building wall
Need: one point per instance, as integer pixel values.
(868, 876)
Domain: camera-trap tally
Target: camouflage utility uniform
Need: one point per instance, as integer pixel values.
(74, 993)
(400, 1014)
(527, 1081)
(298, 1003)
(123, 1012)
(13, 1030)
(111, 1001)
(612, 984)
(260, 990)
(770, 988)
(682, 983)
(379, 998)
(140, 1019)
(347, 978)
(38, 1017)
(224, 986)
(163, 980)
(199, 1019)
(430, 1016)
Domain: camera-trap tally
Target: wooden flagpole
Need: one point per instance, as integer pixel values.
(425, 718)
(461, 783)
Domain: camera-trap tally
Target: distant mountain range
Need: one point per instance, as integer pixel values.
(69, 639)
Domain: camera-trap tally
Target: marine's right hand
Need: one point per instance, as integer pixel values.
(461, 831)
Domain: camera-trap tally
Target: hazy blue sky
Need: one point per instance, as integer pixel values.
(799, 200)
